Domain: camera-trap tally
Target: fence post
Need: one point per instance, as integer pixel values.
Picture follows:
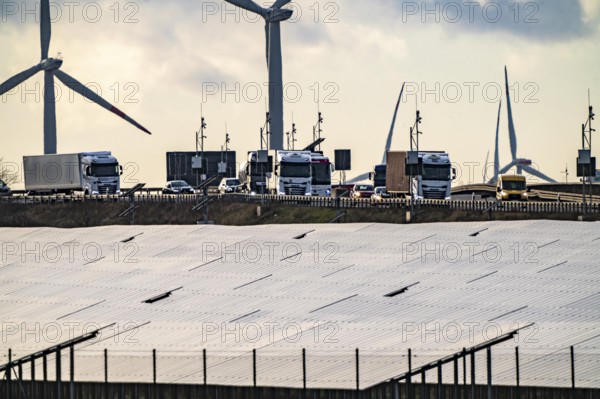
(304, 368)
(45, 367)
(440, 381)
(204, 366)
(357, 370)
(72, 372)
(154, 366)
(455, 395)
(254, 366)
(424, 393)
(58, 373)
(409, 377)
(518, 366)
(489, 372)
(32, 370)
(8, 374)
(106, 366)
(472, 375)
(464, 357)
(573, 367)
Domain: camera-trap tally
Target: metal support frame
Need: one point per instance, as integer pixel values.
(9, 367)
(453, 358)
(133, 206)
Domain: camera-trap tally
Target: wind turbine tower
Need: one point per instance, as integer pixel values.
(272, 16)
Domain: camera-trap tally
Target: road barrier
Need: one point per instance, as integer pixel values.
(326, 202)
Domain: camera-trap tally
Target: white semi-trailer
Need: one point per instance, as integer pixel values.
(87, 172)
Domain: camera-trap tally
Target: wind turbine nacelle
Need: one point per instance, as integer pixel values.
(51, 64)
(524, 162)
(279, 15)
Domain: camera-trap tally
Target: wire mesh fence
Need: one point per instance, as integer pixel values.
(351, 369)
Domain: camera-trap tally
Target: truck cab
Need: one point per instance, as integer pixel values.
(512, 188)
(293, 173)
(321, 175)
(101, 173)
(437, 176)
(378, 176)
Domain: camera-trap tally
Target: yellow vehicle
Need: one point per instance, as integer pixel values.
(512, 188)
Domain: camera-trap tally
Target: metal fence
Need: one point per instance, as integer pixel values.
(567, 368)
(324, 202)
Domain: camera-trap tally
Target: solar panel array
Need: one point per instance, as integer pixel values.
(328, 289)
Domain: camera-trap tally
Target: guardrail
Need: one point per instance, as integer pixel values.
(325, 202)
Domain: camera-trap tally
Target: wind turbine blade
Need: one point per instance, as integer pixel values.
(275, 86)
(280, 3)
(19, 78)
(49, 114)
(76, 86)
(497, 150)
(485, 167)
(250, 6)
(511, 125)
(537, 173)
(388, 142)
(267, 41)
(45, 27)
(359, 178)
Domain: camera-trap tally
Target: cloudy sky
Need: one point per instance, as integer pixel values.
(160, 62)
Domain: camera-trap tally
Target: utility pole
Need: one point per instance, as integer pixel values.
(317, 130)
(200, 143)
(414, 147)
(566, 173)
(589, 170)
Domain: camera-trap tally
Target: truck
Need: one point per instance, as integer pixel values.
(396, 181)
(511, 188)
(293, 173)
(88, 172)
(321, 169)
(434, 182)
(255, 175)
(378, 175)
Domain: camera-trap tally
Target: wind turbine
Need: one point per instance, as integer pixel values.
(272, 16)
(496, 151)
(521, 164)
(388, 142)
(51, 68)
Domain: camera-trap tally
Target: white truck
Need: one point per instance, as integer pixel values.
(293, 173)
(321, 174)
(437, 177)
(87, 172)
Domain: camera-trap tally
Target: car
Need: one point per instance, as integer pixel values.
(4, 189)
(177, 187)
(362, 191)
(380, 193)
(230, 185)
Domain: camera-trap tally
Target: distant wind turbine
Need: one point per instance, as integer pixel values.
(51, 68)
(520, 163)
(388, 142)
(272, 16)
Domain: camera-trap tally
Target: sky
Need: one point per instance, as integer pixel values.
(163, 63)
